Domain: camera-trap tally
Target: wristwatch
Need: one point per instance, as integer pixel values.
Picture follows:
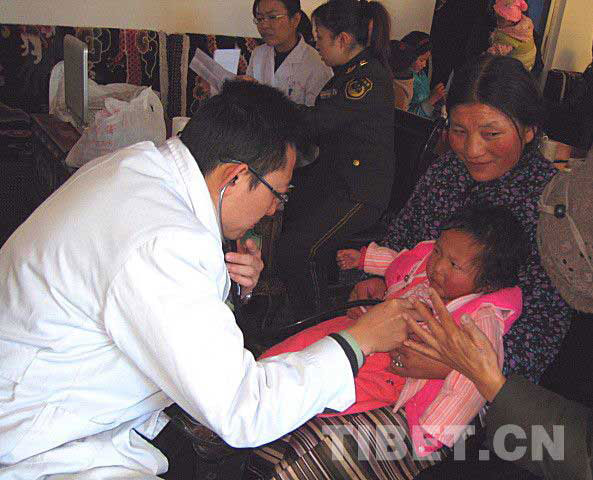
(245, 299)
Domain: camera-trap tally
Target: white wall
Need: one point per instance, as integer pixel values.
(225, 17)
(575, 35)
(406, 15)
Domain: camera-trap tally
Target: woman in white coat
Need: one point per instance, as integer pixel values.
(286, 61)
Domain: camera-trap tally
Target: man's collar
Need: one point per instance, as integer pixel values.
(196, 187)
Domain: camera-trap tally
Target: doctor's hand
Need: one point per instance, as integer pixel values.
(382, 328)
(245, 265)
(371, 288)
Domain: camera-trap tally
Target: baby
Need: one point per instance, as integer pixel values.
(473, 266)
(513, 35)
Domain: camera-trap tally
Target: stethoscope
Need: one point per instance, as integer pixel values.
(235, 290)
(229, 246)
(225, 242)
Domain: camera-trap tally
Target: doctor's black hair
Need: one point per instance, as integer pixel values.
(293, 7)
(248, 122)
(354, 17)
(505, 247)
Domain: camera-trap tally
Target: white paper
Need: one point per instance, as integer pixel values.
(210, 70)
(178, 124)
(228, 58)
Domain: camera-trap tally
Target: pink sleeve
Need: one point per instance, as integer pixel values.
(459, 401)
(377, 259)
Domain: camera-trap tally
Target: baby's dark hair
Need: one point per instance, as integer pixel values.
(505, 247)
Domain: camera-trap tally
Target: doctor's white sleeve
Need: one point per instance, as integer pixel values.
(164, 310)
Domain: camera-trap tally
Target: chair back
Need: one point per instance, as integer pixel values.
(415, 139)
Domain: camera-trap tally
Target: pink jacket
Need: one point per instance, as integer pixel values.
(437, 410)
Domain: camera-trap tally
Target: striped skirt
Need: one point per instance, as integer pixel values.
(369, 445)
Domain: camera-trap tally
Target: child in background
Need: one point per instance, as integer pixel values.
(473, 266)
(411, 84)
(513, 35)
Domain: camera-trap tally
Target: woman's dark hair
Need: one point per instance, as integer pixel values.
(401, 59)
(293, 7)
(354, 17)
(504, 244)
(404, 52)
(419, 41)
(502, 83)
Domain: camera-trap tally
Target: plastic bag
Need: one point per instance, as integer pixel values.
(120, 115)
(120, 124)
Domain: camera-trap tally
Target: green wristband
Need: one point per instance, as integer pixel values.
(355, 347)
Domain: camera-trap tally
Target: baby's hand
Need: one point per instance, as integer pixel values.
(348, 258)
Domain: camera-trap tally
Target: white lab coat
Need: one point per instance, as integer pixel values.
(112, 307)
(301, 76)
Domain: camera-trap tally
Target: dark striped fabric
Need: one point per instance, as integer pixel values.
(373, 445)
(176, 80)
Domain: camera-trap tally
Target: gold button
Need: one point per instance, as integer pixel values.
(356, 163)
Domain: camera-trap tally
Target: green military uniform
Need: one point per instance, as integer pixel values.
(520, 418)
(346, 189)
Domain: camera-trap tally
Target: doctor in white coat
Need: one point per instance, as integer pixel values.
(112, 304)
(286, 61)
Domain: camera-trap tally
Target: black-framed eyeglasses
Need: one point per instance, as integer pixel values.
(281, 197)
(270, 18)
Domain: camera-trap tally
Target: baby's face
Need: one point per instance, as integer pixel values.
(453, 268)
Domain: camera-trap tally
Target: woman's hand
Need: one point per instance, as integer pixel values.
(373, 288)
(437, 93)
(348, 258)
(465, 349)
(382, 328)
(245, 265)
(406, 362)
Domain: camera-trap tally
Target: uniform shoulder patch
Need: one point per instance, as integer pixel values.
(358, 88)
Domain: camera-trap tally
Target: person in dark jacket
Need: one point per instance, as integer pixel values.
(571, 122)
(565, 240)
(349, 185)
